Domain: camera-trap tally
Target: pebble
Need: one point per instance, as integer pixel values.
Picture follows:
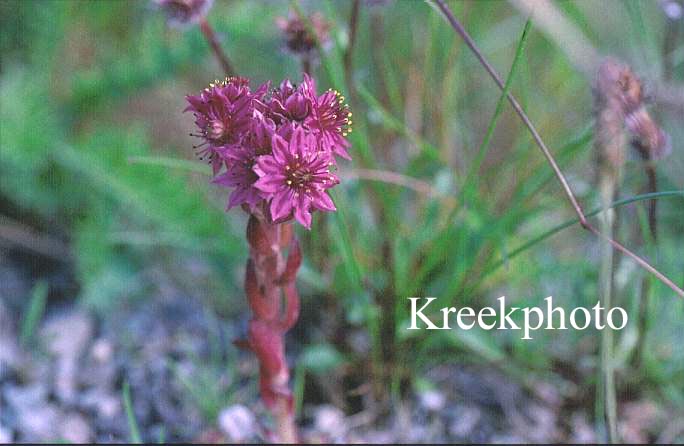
(465, 421)
(237, 422)
(330, 420)
(67, 336)
(432, 400)
(39, 423)
(6, 435)
(74, 428)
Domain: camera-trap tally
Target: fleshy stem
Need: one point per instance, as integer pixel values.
(221, 56)
(272, 295)
(442, 6)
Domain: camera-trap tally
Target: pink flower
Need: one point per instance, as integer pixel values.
(277, 150)
(240, 159)
(290, 103)
(223, 113)
(295, 177)
(240, 175)
(330, 120)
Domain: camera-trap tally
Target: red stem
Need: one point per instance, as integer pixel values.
(270, 282)
(221, 56)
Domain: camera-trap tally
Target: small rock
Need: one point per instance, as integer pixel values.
(543, 426)
(465, 421)
(330, 420)
(38, 423)
(639, 418)
(237, 422)
(66, 337)
(102, 350)
(6, 435)
(432, 400)
(27, 397)
(75, 429)
(105, 404)
(68, 334)
(582, 432)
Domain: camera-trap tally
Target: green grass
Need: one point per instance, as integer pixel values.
(134, 430)
(34, 312)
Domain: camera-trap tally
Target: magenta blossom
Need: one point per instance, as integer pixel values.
(240, 159)
(331, 118)
(295, 177)
(223, 113)
(290, 103)
(241, 176)
(277, 149)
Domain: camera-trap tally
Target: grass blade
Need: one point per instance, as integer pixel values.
(484, 146)
(525, 246)
(35, 312)
(130, 416)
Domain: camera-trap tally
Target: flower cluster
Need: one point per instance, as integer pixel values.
(275, 149)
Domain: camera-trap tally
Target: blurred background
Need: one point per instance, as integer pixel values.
(121, 274)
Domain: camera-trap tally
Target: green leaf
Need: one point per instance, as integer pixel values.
(34, 314)
(321, 358)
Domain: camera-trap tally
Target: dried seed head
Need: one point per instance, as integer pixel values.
(621, 117)
(184, 12)
(297, 36)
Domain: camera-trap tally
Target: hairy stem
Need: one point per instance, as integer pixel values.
(272, 295)
(221, 56)
(442, 6)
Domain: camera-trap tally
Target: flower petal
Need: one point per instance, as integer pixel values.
(280, 149)
(270, 183)
(297, 141)
(267, 165)
(281, 205)
(323, 202)
(302, 213)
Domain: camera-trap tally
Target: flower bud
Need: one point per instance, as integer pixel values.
(184, 12)
(297, 37)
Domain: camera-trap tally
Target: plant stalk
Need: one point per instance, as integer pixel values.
(220, 55)
(272, 295)
(607, 280)
(645, 291)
